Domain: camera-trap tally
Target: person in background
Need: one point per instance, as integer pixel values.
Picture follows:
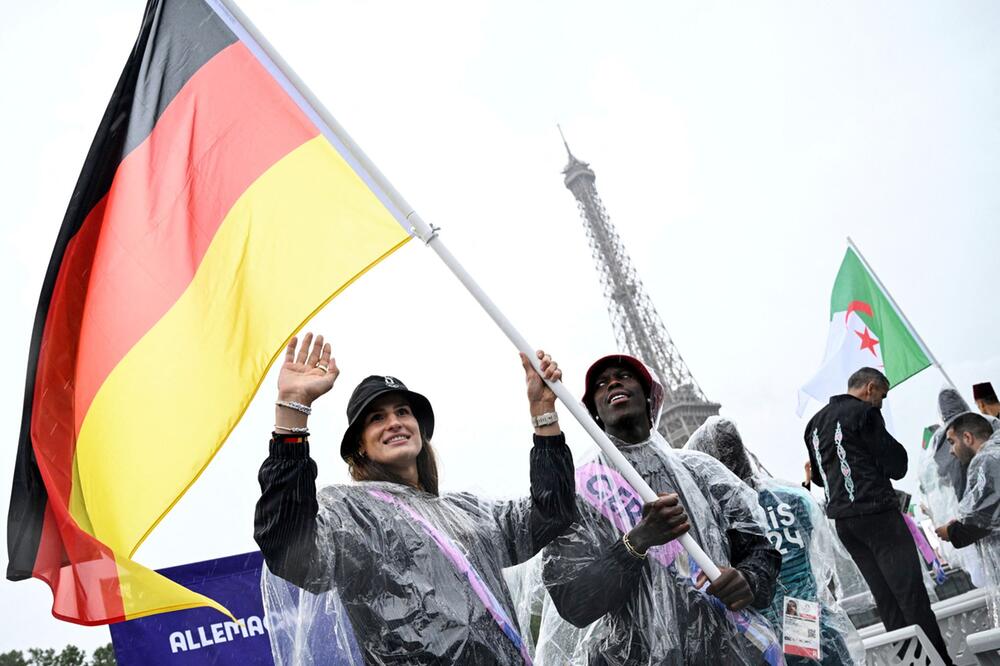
(986, 399)
(950, 471)
(941, 479)
(800, 532)
(975, 442)
(855, 458)
(968, 436)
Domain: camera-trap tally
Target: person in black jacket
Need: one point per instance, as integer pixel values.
(630, 592)
(854, 459)
(417, 573)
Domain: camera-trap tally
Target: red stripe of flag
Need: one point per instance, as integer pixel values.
(168, 200)
(133, 256)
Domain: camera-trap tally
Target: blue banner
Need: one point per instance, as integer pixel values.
(202, 636)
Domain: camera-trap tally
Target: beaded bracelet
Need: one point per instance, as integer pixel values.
(297, 406)
(297, 431)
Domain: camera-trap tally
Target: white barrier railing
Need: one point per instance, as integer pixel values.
(958, 617)
(903, 647)
(985, 647)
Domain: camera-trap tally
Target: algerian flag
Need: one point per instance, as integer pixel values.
(865, 330)
(928, 435)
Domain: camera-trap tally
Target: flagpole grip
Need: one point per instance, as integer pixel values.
(610, 451)
(899, 311)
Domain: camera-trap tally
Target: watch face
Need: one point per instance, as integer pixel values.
(545, 419)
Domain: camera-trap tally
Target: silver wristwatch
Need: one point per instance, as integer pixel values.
(548, 418)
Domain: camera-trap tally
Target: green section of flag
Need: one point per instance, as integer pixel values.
(901, 353)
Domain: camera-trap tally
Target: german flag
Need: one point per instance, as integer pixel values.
(215, 214)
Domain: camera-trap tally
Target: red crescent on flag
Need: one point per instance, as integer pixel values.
(858, 306)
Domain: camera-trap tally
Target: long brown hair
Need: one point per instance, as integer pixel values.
(363, 468)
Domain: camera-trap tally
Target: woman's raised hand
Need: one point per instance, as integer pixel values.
(308, 372)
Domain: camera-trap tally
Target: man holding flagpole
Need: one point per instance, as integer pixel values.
(619, 575)
(855, 458)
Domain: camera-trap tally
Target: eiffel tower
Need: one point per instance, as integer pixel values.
(638, 328)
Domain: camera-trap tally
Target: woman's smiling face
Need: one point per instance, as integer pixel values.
(391, 434)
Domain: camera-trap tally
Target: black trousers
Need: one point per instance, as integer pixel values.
(882, 547)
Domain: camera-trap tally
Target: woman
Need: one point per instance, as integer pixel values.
(418, 574)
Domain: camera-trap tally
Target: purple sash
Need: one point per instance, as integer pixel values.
(461, 562)
(925, 548)
(607, 491)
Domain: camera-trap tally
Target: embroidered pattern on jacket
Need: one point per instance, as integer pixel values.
(845, 469)
(819, 463)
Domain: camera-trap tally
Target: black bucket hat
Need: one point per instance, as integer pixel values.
(368, 390)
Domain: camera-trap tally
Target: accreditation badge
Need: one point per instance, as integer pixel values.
(801, 635)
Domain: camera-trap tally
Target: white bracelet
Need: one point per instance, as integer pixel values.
(548, 418)
(297, 431)
(297, 406)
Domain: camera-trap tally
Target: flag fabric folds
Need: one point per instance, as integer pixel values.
(215, 213)
(865, 330)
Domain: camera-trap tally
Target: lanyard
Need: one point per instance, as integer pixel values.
(461, 562)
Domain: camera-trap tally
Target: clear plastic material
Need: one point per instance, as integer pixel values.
(307, 629)
(939, 496)
(951, 404)
(943, 482)
(601, 605)
(719, 438)
(405, 576)
(939, 499)
(798, 528)
(980, 507)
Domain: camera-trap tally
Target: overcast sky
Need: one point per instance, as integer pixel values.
(735, 146)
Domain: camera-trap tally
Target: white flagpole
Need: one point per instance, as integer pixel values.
(899, 311)
(404, 212)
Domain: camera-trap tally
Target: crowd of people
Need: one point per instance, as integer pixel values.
(391, 571)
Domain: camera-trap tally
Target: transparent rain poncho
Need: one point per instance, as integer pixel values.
(798, 528)
(939, 500)
(980, 507)
(938, 494)
(400, 576)
(601, 605)
(943, 481)
(850, 587)
(950, 406)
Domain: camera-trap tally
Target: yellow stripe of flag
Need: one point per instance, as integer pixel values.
(301, 233)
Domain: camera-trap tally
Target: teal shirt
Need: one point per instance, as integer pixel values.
(789, 528)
